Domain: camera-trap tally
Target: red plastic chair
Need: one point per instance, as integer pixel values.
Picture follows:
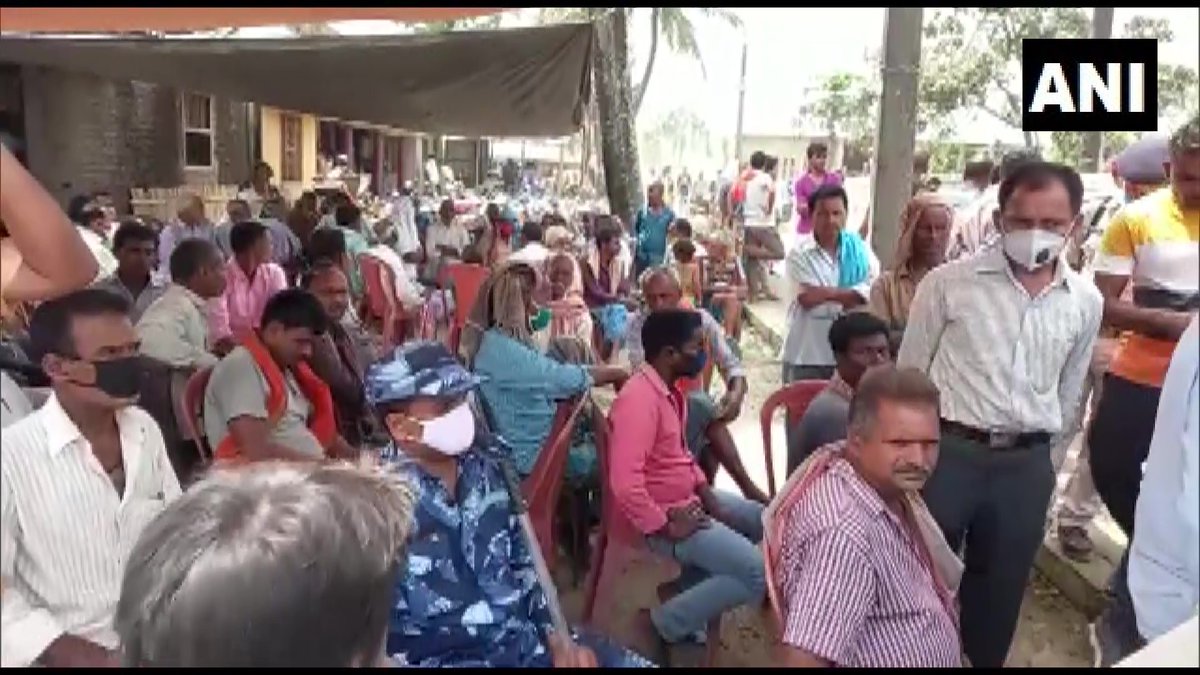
(543, 486)
(795, 398)
(618, 540)
(467, 279)
(382, 308)
(193, 406)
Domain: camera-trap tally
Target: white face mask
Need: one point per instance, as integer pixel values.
(451, 434)
(1033, 249)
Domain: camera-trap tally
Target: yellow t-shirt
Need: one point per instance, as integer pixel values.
(1154, 241)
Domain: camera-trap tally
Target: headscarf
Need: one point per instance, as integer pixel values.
(909, 218)
(499, 306)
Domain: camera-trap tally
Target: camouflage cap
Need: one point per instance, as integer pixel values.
(418, 369)
(1187, 137)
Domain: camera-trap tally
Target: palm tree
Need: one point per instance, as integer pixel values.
(676, 28)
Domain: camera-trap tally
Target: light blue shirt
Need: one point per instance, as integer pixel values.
(1164, 560)
(522, 392)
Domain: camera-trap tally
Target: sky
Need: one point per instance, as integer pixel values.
(788, 50)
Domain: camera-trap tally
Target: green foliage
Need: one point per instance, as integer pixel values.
(1067, 146)
(971, 58)
(677, 138)
(843, 105)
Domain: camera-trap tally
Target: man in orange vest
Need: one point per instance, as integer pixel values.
(263, 401)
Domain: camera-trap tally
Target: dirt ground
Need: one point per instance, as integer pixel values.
(1051, 633)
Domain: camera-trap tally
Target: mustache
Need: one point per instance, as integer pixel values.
(913, 469)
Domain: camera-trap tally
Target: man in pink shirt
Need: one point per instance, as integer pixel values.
(250, 280)
(662, 491)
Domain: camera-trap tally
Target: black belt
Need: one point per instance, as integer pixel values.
(997, 440)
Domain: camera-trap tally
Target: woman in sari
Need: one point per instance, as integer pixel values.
(606, 285)
(924, 238)
(569, 314)
(524, 385)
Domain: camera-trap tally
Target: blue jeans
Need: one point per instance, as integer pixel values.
(722, 569)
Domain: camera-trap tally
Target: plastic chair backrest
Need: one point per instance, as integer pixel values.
(193, 406)
(795, 398)
(467, 280)
(381, 297)
(543, 484)
(380, 282)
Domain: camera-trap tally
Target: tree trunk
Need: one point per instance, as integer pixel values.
(655, 17)
(618, 142)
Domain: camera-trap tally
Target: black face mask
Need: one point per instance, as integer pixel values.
(119, 378)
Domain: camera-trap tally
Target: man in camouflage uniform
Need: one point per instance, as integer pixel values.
(469, 596)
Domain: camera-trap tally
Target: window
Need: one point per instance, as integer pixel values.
(291, 148)
(197, 131)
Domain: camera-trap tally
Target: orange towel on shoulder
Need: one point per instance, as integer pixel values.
(322, 423)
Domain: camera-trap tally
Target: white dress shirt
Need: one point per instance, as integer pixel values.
(1004, 362)
(14, 403)
(66, 532)
(807, 340)
(1164, 557)
(438, 234)
(408, 240)
(174, 330)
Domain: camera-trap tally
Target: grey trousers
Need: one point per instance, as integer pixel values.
(991, 505)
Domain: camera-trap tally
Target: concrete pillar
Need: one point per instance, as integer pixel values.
(1093, 141)
(891, 182)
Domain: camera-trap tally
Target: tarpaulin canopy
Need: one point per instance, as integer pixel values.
(116, 19)
(518, 82)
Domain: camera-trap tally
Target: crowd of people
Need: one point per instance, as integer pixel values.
(214, 455)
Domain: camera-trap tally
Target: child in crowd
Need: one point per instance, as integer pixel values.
(687, 270)
(723, 281)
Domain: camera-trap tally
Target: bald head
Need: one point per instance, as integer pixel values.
(660, 289)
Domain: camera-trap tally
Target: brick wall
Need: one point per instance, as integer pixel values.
(86, 133)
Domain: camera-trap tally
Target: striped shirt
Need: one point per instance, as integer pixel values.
(65, 530)
(1154, 241)
(855, 589)
(1004, 362)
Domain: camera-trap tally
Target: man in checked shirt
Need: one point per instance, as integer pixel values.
(864, 577)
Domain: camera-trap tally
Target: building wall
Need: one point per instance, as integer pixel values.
(85, 133)
(271, 148)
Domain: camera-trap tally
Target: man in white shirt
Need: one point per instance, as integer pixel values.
(761, 242)
(532, 252)
(814, 268)
(80, 479)
(445, 239)
(1164, 560)
(404, 219)
(1007, 336)
(174, 330)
